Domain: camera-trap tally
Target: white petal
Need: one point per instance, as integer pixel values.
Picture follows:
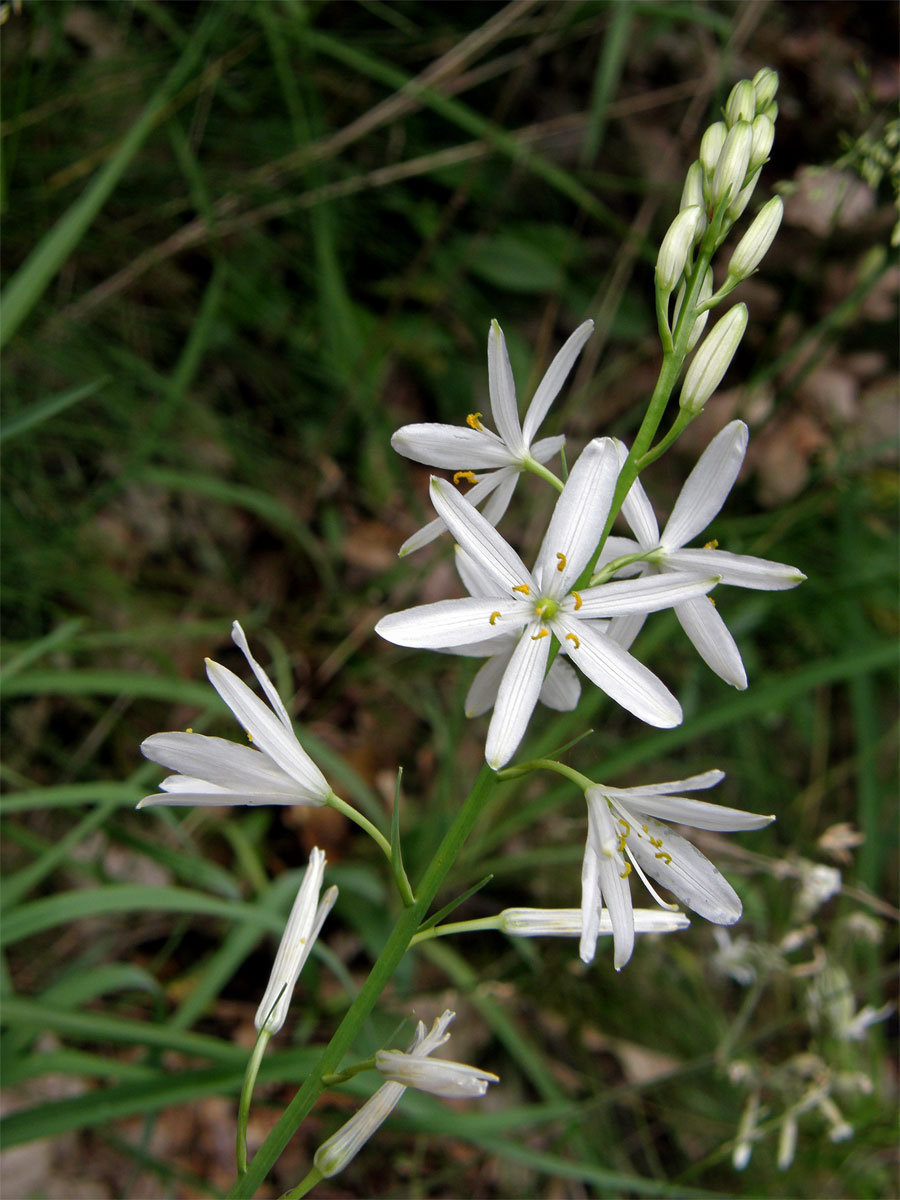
(613, 670)
(447, 624)
(222, 798)
(238, 768)
(739, 570)
(649, 593)
(591, 903)
(693, 783)
(518, 694)
(342, 1147)
(604, 836)
(482, 693)
(567, 922)
(507, 478)
(707, 486)
(712, 640)
(240, 640)
(267, 732)
(619, 547)
(426, 1043)
(624, 630)
(427, 534)
(689, 875)
(479, 539)
(482, 489)
(561, 690)
(544, 449)
(503, 393)
(578, 518)
(698, 813)
(451, 446)
(638, 512)
(555, 377)
(438, 1076)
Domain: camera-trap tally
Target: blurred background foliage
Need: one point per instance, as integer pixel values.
(244, 242)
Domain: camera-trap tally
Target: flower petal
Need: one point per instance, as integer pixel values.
(240, 640)
(709, 634)
(698, 813)
(614, 670)
(267, 732)
(447, 624)
(482, 693)
(648, 593)
(478, 538)
(738, 570)
(554, 378)
(693, 783)
(688, 874)
(591, 903)
(578, 518)
(451, 446)
(624, 630)
(561, 690)
(482, 489)
(638, 512)
(238, 768)
(544, 449)
(707, 486)
(517, 696)
(613, 876)
(503, 393)
(507, 478)
(222, 798)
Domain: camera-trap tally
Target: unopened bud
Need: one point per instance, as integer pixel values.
(706, 290)
(741, 104)
(765, 84)
(742, 199)
(763, 137)
(753, 246)
(676, 247)
(692, 193)
(713, 359)
(731, 169)
(770, 111)
(711, 147)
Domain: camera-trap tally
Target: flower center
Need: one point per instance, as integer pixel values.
(546, 608)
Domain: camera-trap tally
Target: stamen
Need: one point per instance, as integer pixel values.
(468, 476)
(189, 730)
(649, 886)
(621, 821)
(561, 565)
(665, 856)
(494, 616)
(657, 842)
(570, 637)
(577, 601)
(712, 602)
(624, 874)
(713, 545)
(523, 588)
(537, 636)
(473, 420)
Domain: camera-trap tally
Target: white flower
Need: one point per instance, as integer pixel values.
(303, 926)
(566, 922)
(411, 1069)
(535, 605)
(703, 494)
(501, 456)
(274, 770)
(622, 825)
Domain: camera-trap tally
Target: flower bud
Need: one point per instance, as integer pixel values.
(765, 84)
(731, 169)
(706, 290)
(770, 111)
(742, 199)
(692, 193)
(763, 137)
(752, 247)
(741, 104)
(711, 147)
(713, 359)
(676, 247)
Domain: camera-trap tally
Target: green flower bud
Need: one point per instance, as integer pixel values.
(763, 137)
(711, 147)
(731, 169)
(750, 250)
(706, 290)
(692, 192)
(742, 199)
(741, 104)
(676, 247)
(713, 359)
(765, 84)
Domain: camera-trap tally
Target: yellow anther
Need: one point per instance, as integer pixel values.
(189, 730)
(621, 821)
(473, 420)
(561, 564)
(713, 545)
(570, 637)
(466, 475)
(523, 588)
(667, 858)
(624, 874)
(577, 601)
(656, 842)
(712, 602)
(537, 636)
(622, 841)
(249, 735)
(494, 616)
(645, 829)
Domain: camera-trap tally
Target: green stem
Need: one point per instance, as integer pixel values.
(306, 1185)
(536, 468)
(381, 841)
(247, 1095)
(476, 925)
(395, 948)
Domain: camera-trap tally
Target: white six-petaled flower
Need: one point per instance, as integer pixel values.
(498, 457)
(303, 926)
(410, 1069)
(274, 770)
(701, 498)
(624, 832)
(534, 605)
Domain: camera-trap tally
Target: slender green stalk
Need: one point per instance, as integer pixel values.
(381, 841)
(395, 948)
(247, 1095)
(537, 468)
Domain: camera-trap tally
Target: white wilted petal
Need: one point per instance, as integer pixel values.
(567, 922)
(452, 1080)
